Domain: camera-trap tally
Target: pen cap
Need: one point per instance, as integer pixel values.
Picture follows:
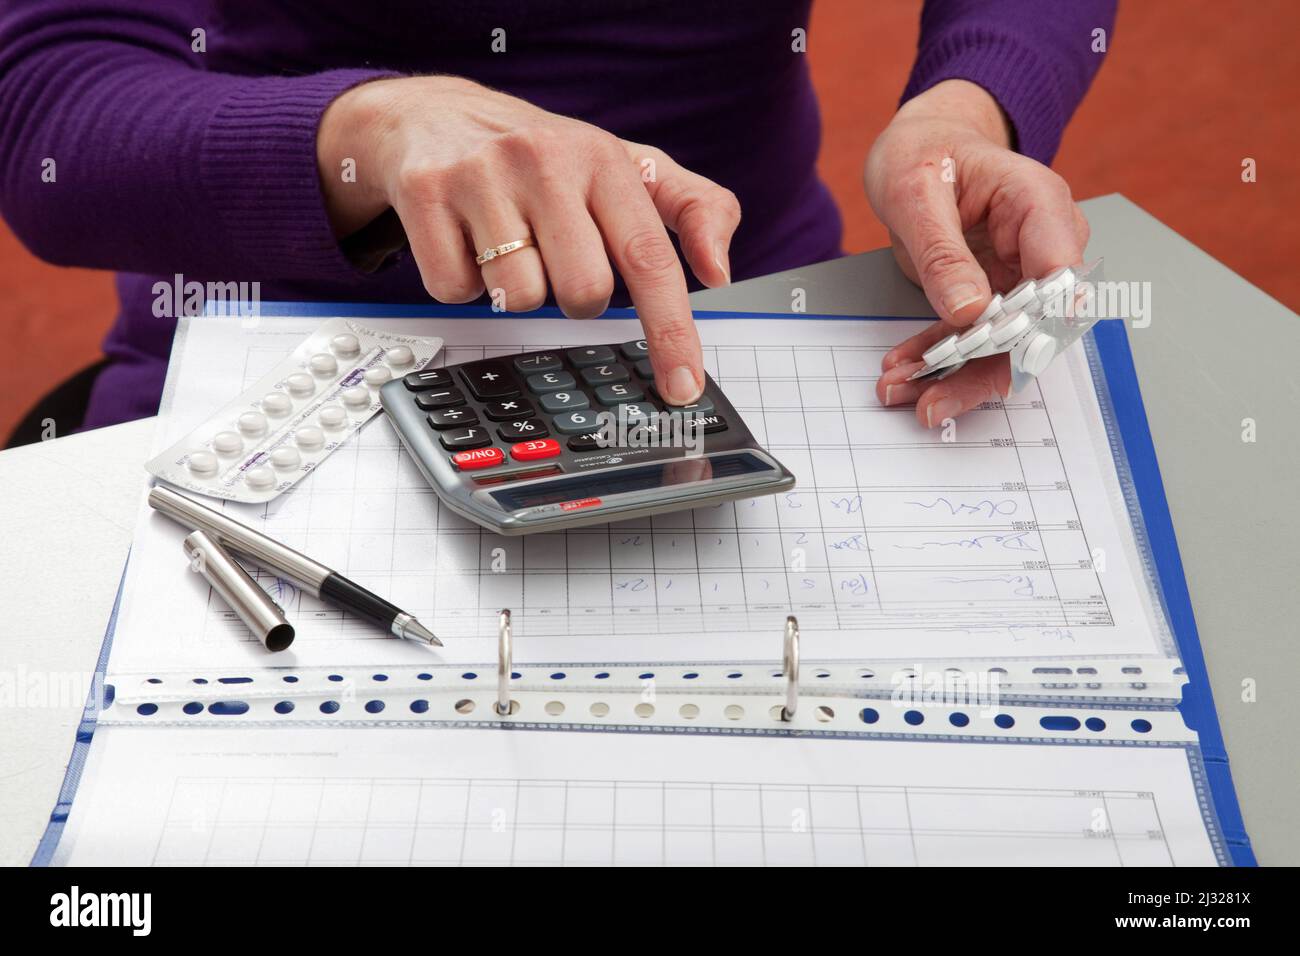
(253, 606)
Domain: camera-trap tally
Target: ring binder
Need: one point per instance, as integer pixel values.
(505, 658)
(790, 667)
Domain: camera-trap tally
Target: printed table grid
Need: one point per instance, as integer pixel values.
(851, 547)
(469, 821)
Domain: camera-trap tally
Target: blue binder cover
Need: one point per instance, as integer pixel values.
(1120, 397)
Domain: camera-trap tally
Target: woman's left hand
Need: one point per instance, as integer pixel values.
(967, 215)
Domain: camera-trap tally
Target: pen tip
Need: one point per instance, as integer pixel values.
(414, 628)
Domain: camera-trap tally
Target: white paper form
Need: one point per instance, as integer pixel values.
(1006, 537)
(161, 796)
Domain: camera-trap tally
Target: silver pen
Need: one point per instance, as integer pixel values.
(318, 580)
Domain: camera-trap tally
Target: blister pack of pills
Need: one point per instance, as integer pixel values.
(1034, 322)
(269, 438)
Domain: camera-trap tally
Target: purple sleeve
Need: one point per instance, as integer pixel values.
(158, 165)
(1036, 57)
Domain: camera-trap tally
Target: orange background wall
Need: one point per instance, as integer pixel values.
(1189, 89)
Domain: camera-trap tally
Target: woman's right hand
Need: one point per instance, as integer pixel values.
(466, 168)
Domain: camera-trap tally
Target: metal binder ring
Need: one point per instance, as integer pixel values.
(790, 664)
(505, 665)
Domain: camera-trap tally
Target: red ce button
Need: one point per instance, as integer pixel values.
(533, 450)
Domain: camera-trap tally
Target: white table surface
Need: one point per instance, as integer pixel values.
(1218, 350)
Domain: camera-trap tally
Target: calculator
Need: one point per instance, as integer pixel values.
(544, 441)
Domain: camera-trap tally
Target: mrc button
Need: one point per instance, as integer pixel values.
(478, 458)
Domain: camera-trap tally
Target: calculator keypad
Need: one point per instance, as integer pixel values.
(543, 405)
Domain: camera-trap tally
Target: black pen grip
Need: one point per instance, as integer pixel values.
(353, 597)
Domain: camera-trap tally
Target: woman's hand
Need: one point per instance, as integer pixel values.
(466, 168)
(967, 216)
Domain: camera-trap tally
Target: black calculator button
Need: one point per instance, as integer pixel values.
(551, 382)
(701, 406)
(459, 417)
(634, 351)
(427, 379)
(443, 398)
(645, 369)
(522, 430)
(708, 424)
(605, 374)
(539, 362)
(589, 441)
(590, 355)
(489, 379)
(614, 394)
(462, 438)
(573, 423)
(554, 402)
(508, 409)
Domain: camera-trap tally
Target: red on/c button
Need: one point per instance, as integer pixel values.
(478, 458)
(533, 450)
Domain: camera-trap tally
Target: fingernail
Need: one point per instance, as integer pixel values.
(890, 360)
(720, 260)
(682, 386)
(939, 411)
(957, 297)
(902, 393)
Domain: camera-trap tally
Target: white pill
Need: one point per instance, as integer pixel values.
(322, 363)
(972, 338)
(202, 462)
(377, 376)
(356, 396)
(1055, 282)
(1054, 290)
(259, 476)
(227, 443)
(277, 404)
(1038, 354)
(1019, 297)
(1009, 328)
(300, 383)
(332, 416)
(993, 308)
(400, 356)
(252, 423)
(345, 344)
(286, 456)
(940, 350)
(309, 437)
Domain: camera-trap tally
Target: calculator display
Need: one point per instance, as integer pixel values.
(644, 478)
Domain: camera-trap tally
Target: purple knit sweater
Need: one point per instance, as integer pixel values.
(168, 160)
